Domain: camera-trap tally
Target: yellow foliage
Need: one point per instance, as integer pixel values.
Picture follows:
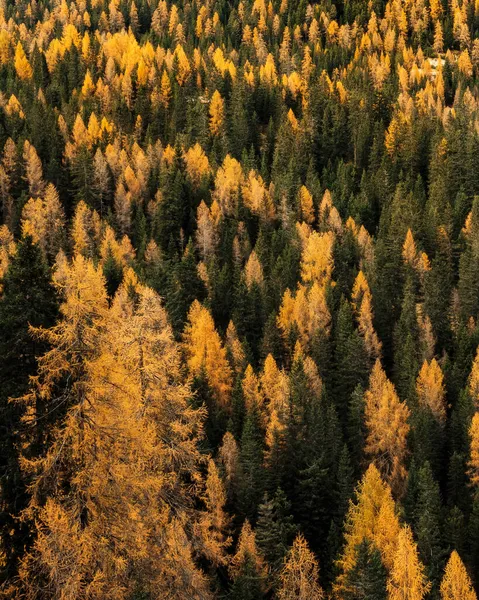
(197, 164)
(306, 205)
(235, 348)
(217, 113)
(387, 425)
(275, 386)
(464, 63)
(317, 258)
(307, 310)
(205, 352)
(229, 178)
(456, 583)
(22, 66)
(430, 389)
(299, 577)
(252, 393)
(253, 271)
(247, 554)
(407, 580)
(474, 381)
(13, 107)
(473, 464)
(371, 517)
(44, 220)
(88, 87)
(362, 303)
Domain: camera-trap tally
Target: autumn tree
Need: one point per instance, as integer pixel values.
(141, 369)
(299, 578)
(387, 424)
(474, 450)
(407, 580)
(204, 350)
(33, 169)
(217, 110)
(371, 517)
(247, 568)
(22, 65)
(430, 389)
(456, 583)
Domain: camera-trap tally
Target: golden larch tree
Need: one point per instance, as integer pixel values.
(473, 465)
(275, 386)
(33, 170)
(362, 303)
(306, 205)
(317, 259)
(307, 310)
(204, 350)
(44, 220)
(229, 460)
(430, 389)
(22, 65)
(253, 271)
(128, 448)
(474, 381)
(217, 113)
(456, 583)
(299, 577)
(373, 517)
(407, 579)
(247, 559)
(235, 348)
(252, 392)
(387, 425)
(214, 522)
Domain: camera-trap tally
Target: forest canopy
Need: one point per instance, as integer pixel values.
(239, 300)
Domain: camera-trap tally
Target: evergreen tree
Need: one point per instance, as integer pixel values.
(367, 579)
(28, 299)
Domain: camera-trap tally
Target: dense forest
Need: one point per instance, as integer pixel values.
(239, 299)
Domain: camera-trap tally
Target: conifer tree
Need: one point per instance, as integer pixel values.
(456, 583)
(19, 310)
(275, 529)
(247, 569)
(299, 578)
(80, 539)
(205, 350)
(367, 579)
(387, 424)
(407, 580)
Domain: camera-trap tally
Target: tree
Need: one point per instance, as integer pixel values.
(28, 300)
(474, 450)
(362, 302)
(275, 529)
(22, 66)
(430, 389)
(407, 579)
(217, 113)
(204, 350)
(247, 569)
(44, 220)
(34, 170)
(456, 583)
(372, 517)
(317, 259)
(367, 579)
(114, 459)
(387, 424)
(299, 577)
